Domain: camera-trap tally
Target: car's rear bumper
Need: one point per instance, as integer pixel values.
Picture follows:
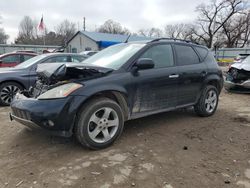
(56, 116)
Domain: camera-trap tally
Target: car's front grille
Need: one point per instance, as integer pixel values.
(21, 113)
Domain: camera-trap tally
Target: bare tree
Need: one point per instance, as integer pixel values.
(152, 32)
(113, 27)
(213, 16)
(65, 30)
(236, 30)
(3, 36)
(27, 31)
(180, 31)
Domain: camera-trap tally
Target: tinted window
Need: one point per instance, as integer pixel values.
(26, 57)
(11, 59)
(185, 55)
(202, 52)
(162, 55)
(77, 59)
(57, 59)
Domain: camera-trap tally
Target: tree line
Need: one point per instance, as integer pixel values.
(221, 23)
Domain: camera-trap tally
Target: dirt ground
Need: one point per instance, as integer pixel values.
(168, 150)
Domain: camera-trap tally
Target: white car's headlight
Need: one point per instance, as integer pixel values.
(60, 91)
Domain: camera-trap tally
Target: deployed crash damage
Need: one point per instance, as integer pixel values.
(238, 75)
(51, 75)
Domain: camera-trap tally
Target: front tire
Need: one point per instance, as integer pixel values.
(100, 122)
(208, 102)
(7, 92)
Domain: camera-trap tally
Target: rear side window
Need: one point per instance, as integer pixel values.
(202, 52)
(185, 55)
(162, 55)
(11, 59)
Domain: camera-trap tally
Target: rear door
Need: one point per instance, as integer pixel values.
(191, 74)
(155, 89)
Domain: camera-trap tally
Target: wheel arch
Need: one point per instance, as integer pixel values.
(115, 95)
(15, 81)
(215, 81)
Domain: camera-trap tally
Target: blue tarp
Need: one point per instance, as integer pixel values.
(104, 44)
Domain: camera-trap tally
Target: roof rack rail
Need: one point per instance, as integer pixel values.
(174, 39)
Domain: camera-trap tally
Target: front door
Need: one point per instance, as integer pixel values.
(155, 89)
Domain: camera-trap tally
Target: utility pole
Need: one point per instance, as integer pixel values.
(84, 26)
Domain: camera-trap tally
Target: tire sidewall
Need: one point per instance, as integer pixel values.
(207, 89)
(83, 120)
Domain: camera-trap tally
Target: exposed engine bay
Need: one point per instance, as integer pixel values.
(51, 75)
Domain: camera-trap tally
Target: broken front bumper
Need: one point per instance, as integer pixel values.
(230, 85)
(56, 116)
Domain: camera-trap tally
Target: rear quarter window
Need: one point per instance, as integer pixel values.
(185, 55)
(203, 52)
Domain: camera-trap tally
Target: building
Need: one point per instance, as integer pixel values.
(6, 48)
(84, 40)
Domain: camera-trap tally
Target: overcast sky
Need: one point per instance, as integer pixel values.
(133, 14)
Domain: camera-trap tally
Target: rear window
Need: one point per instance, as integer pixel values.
(185, 55)
(202, 52)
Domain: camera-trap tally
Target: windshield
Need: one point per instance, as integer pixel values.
(115, 56)
(31, 61)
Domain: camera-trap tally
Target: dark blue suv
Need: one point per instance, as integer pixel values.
(120, 83)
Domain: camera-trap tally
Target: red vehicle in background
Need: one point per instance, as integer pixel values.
(14, 58)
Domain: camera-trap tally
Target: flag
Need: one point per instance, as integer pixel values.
(41, 25)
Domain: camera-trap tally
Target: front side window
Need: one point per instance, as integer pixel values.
(185, 55)
(162, 55)
(77, 59)
(57, 59)
(26, 57)
(11, 59)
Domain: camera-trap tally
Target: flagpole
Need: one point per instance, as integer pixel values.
(44, 37)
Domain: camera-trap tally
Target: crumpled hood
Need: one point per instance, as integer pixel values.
(61, 71)
(243, 65)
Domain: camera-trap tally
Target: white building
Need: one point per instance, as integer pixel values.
(84, 40)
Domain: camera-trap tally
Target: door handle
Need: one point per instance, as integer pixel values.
(174, 76)
(203, 73)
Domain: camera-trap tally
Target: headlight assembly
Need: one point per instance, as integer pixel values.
(60, 91)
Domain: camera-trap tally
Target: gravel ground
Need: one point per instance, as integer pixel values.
(169, 150)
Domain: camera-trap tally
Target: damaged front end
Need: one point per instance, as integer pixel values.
(238, 76)
(51, 75)
(50, 104)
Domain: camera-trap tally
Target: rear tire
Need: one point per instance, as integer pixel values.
(8, 91)
(100, 122)
(208, 102)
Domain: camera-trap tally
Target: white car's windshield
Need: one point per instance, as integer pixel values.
(30, 61)
(115, 56)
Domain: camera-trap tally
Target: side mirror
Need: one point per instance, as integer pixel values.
(144, 63)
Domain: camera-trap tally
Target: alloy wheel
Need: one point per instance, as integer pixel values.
(103, 125)
(211, 101)
(7, 93)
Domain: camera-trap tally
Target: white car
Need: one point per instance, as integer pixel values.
(238, 75)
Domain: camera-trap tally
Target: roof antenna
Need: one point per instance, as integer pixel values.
(126, 41)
